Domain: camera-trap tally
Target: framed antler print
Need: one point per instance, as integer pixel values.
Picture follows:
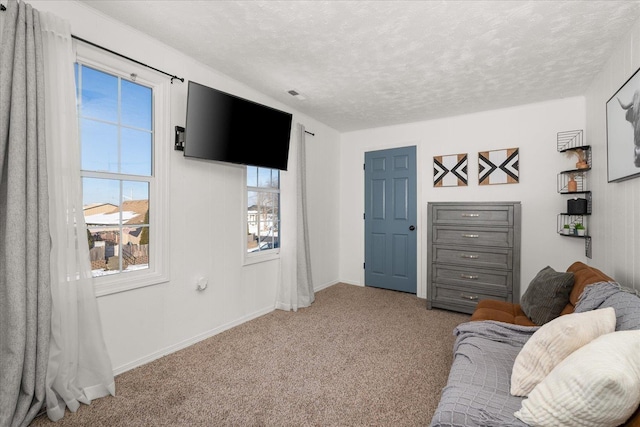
(623, 131)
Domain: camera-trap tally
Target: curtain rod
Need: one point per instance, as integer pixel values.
(173, 77)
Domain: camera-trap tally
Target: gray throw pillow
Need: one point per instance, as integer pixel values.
(547, 295)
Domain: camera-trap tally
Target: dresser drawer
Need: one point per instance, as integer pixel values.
(501, 258)
(445, 296)
(495, 282)
(481, 236)
(498, 215)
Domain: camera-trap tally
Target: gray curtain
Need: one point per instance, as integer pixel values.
(25, 296)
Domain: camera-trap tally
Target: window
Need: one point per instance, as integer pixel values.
(121, 109)
(263, 211)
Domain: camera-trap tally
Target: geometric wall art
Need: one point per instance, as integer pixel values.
(450, 171)
(498, 167)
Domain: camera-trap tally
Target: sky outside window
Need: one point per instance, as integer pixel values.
(116, 132)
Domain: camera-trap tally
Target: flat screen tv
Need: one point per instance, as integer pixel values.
(226, 128)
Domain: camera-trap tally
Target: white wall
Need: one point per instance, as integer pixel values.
(532, 128)
(143, 324)
(206, 217)
(616, 206)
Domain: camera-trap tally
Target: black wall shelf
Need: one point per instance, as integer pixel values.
(567, 142)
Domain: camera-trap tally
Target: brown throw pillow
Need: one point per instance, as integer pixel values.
(547, 295)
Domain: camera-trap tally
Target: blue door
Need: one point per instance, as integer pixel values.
(390, 219)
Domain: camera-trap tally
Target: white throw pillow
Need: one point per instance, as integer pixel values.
(554, 341)
(597, 385)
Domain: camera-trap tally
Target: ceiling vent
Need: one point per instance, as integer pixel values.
(296, 94)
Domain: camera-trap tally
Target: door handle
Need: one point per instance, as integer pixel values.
(412, 227)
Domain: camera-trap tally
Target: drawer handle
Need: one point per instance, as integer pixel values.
(469, 297)
(470, 215)
(468, 276)
(467, 256)
(471, 236)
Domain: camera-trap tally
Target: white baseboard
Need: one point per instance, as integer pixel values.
(352, 283)
(188, 342)
(317, 288)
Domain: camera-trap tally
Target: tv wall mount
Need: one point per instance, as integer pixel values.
(179, 140)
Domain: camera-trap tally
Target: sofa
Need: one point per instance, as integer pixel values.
(502, 311)
(500, 336)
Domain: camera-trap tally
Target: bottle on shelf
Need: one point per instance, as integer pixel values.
(572, 184)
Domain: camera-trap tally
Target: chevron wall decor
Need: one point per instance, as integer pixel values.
(450, 171)
(498, 167)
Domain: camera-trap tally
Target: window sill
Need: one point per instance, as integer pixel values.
(127, 281)
(271, 255)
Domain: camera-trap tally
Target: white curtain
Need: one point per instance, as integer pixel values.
(79, 367)
(296, 285)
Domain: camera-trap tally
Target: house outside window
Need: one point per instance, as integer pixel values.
(120, 110)
(263, 211)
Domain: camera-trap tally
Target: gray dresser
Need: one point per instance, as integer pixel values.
(474, 253)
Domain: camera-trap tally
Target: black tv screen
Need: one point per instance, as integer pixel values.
(226, 128)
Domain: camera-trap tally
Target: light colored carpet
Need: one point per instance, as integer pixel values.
(356, 357)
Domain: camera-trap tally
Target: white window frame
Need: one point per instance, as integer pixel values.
(158, 271)
(269, 254)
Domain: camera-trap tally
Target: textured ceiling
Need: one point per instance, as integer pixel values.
(364, 64)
